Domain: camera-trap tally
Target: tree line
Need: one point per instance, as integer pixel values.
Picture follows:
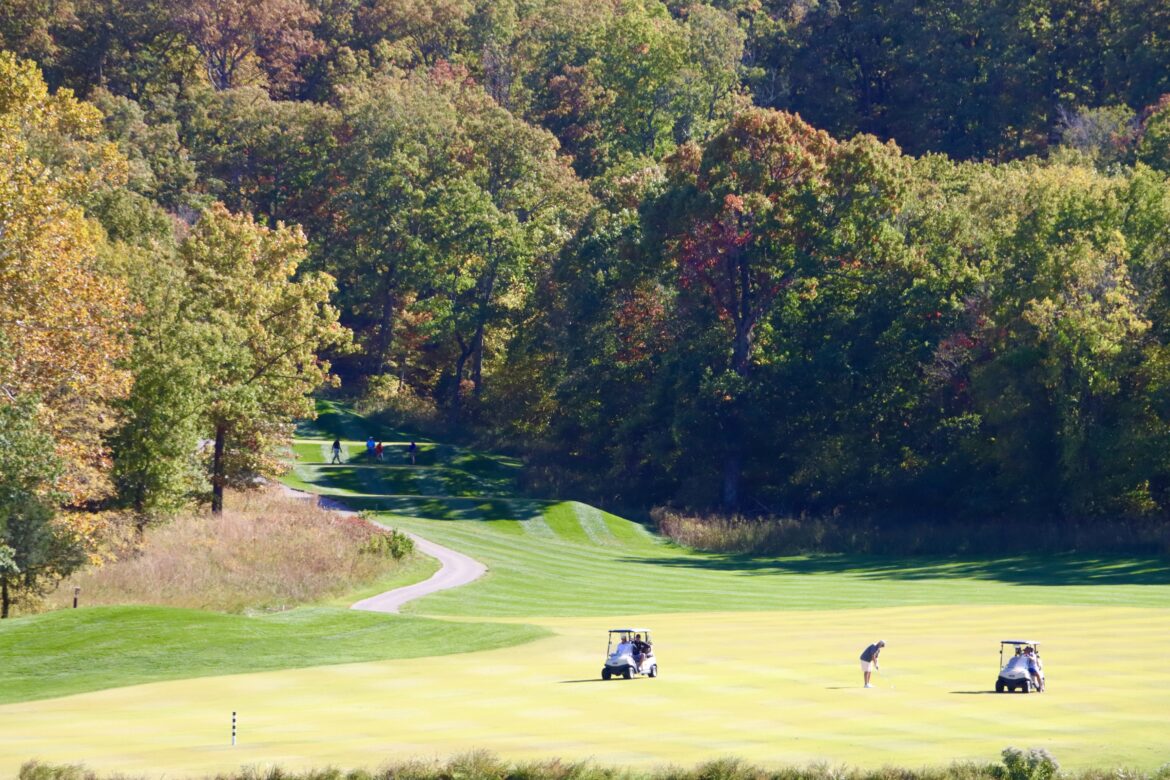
(774, 256)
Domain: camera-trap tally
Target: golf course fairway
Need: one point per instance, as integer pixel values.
(758, 659)
(767, 687)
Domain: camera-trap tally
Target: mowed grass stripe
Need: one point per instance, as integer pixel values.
(590, 520)
(530, 515)
(582, 579)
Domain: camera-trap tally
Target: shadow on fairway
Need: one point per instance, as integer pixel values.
(1053, 570)
(590, 680)
(975, 693)
(499, 511)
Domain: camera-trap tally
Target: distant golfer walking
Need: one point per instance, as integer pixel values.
(336, 451)
(869, 660)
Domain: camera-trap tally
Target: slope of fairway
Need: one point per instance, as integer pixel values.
(70, 651)
(567, 558)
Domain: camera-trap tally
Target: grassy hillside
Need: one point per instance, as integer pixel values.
(567, 558)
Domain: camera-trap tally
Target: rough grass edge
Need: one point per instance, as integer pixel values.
(1029, 764)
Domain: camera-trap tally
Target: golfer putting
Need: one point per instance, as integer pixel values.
(869, 660)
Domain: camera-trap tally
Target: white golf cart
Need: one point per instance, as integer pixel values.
(620, 654)
(1018, 658)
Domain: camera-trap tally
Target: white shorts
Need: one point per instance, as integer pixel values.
(868, 666)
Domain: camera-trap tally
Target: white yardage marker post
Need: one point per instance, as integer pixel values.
(233, 728)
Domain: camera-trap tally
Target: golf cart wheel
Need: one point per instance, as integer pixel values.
(628, 673)
(654, 670)
(1026, 687)
(605, 673)
(999, 686)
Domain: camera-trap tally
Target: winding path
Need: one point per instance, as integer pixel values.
(455, 568)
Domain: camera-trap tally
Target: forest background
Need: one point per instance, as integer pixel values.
(896, 259)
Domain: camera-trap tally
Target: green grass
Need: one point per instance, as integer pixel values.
(758, 655)
(413, 569)
(564, 574)
(72, 651)
(775, 688)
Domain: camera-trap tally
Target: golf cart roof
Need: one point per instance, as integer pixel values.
(1018, 642)
(629, 630)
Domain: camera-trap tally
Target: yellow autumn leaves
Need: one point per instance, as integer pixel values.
(62, 315)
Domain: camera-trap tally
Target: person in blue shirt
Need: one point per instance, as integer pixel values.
(370, 447)
(869, 660)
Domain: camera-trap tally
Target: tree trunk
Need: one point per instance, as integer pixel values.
(464, 353)
(217, 470)
(487, 290)
(732, 472)
(741, 354)
(140, 516)
(386, 324)
(744, 316)
(4, 600)
(477, 359)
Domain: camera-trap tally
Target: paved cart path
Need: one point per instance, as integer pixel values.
(455, 568)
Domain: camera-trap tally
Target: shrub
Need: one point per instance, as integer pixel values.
(1030, 764)
(35, 770)
(390, 543)
(475, 765)
(726, 769)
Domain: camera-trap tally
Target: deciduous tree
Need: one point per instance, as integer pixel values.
(250, 41)
(260, 329)
(36, 551)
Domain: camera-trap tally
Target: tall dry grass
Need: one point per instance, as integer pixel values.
(893, 536)
(268, 551)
